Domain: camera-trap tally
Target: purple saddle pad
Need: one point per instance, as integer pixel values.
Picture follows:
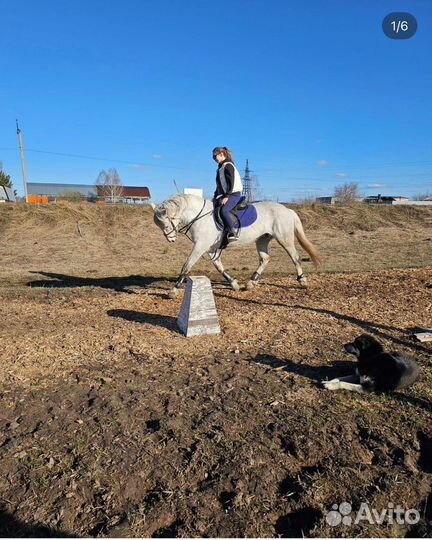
(247, 217)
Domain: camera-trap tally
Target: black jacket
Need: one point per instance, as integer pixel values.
(229, 177)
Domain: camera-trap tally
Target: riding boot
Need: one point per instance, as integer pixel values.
(232, 235)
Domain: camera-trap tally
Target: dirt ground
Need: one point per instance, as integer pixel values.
(114, 424)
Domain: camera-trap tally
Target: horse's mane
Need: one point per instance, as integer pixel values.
(175, 205)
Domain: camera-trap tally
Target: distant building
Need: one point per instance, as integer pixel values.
(326, 200)
(54, 191)
(378, 199)
(385, 199)
(6, 194)
(127, 194)
(194, 191)
(334, 200)
(136, 194)
(49, 192)
(424, 202)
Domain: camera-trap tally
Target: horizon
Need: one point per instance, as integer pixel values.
(359, 195)
(313, 96)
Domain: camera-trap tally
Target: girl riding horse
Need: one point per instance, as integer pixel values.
(229, 187)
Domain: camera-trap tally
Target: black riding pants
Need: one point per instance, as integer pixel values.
(233, 200)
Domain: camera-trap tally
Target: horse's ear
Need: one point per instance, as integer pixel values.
(160, 210)
(153, 206)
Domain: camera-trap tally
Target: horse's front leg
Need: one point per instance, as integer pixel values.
(216, 260)
(196, 253)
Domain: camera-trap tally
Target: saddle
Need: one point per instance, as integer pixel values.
(244, 214)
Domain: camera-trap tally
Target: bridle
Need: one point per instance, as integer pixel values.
(185, 228)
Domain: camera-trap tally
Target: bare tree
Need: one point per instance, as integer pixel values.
(347, 193)
(423, 196)
(109, 185)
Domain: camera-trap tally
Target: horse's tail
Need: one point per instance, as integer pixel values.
(305, 243)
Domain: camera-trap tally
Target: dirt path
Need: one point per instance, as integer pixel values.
(114, 424)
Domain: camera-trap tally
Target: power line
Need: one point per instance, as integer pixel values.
(350, 166)
(99, 158)
(275, 170)
(371, 178)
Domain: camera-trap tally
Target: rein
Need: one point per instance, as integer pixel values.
(185, 229)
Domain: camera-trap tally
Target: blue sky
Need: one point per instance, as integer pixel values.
(312, 93)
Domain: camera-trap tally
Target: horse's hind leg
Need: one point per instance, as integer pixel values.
(262, 248)
(289, 247)
(216, 260)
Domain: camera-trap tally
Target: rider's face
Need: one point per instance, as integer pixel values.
(218, 157)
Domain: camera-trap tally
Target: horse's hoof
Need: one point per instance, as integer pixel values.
(250, 285)
(173, 293)
(235, 285)
(303, 283)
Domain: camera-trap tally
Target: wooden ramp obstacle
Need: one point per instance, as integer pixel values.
(198, 315)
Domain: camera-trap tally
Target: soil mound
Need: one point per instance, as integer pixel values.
(68, 217)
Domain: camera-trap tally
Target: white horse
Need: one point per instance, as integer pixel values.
(194, 215)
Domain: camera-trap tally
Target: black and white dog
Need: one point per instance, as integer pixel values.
(376, 369)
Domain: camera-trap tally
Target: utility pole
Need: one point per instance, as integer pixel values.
(23, 163)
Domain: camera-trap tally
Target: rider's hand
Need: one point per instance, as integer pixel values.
(224, 201)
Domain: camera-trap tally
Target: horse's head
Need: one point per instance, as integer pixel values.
(167, 223)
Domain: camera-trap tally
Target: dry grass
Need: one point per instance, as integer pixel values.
(362, 217)
(122, 240)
